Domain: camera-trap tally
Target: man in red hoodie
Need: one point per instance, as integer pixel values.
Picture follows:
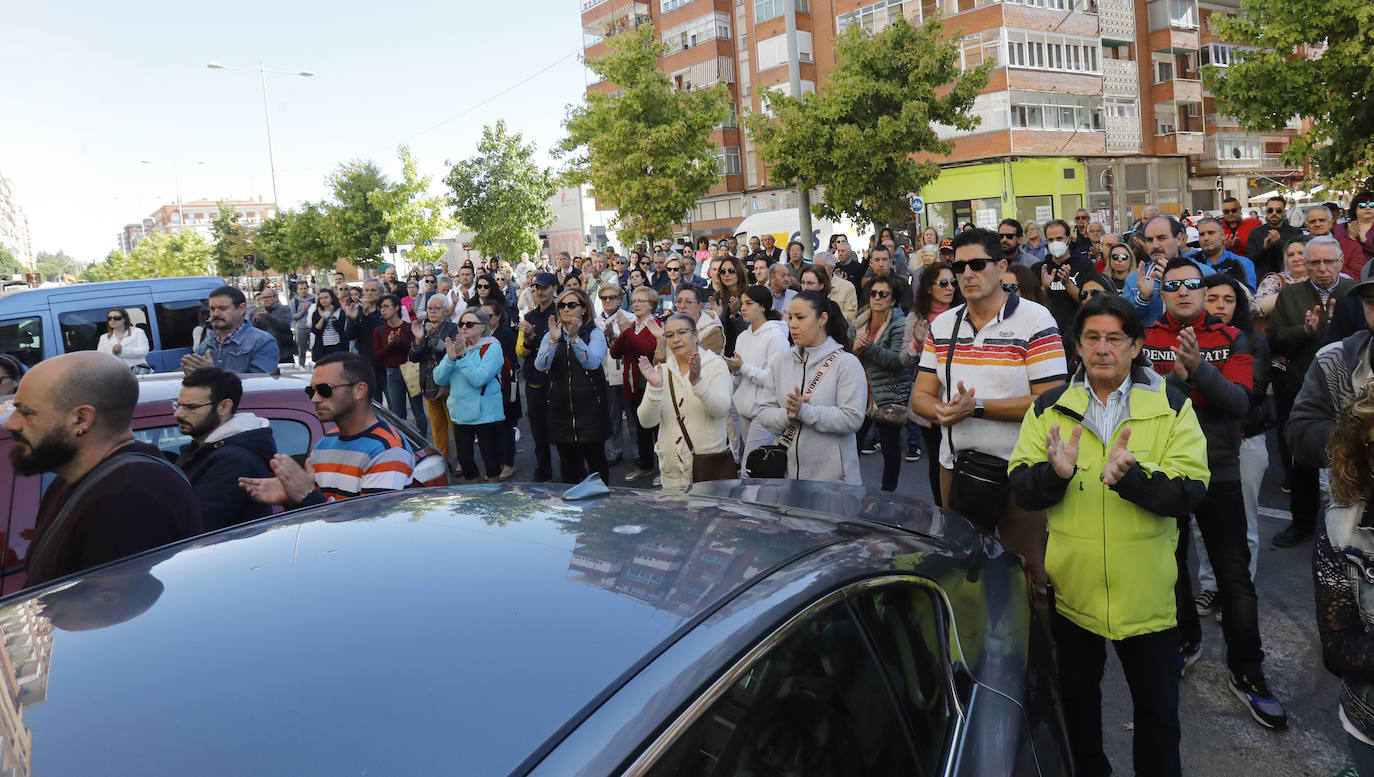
(1211, 361)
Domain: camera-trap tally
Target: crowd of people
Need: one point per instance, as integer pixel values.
(1100, 401)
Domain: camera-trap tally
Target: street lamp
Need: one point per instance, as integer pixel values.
(262, 72)
(176, 178)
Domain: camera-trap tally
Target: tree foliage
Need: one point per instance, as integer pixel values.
(158, 255)
(307, 237)
(9, 265)
(53, 266)
(358, 224)
(268, 243)
(1266, 88)
(644, 149)
(232, 242)
(415, 215)
(857, 137)
(501, 194)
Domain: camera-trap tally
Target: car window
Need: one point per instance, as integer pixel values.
(816, 704)
(176, 320)
(908, 629)
(292, 437)
(81, 329)
(22, 338)
(168, 439)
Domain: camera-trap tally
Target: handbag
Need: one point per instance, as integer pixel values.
(770, 461)
(891, 413)
(978, 490)
(705, 466)
(410, 371)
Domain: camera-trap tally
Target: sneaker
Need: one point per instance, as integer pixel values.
(1250, 687)
(1218, 615)
(1284, 487)
(637, 474)
(1187, 656)
(1291, 536)
(868, 448)
(913, 454)
(658, 482)
(1207, 603)
(507, 472)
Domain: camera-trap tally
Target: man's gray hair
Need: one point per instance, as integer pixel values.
(1321, 240)
(823, 258)
(1329, 214)
(445, 277)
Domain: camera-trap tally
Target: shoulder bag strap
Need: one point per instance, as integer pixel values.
(949, 364)
(789, 434)
(672, 396)
(101, 471)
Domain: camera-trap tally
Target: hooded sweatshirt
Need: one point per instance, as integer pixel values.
(757, 350)
(823, 448)
(243, 446)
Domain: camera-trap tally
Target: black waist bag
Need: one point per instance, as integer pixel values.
(978, 490)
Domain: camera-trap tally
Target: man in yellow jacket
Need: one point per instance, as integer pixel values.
(1114, 456)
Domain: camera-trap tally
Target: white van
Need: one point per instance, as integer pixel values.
(785, 226)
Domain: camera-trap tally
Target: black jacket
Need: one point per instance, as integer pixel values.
(214, 470)
(539, 319)
(577, 397)
(1269, 259)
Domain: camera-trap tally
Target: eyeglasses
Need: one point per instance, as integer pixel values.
(880, 294)
(610, 298)
(1230, 211)
(1322, 262)
(1115, 339)
(977, 265)
(725, 270)
(1080, 218)
(179, 406)
(1192, 284)
(430, 281)
(1090, 293)
(326, 390)
(1008, 235)
(1121, 257)
(484, 285)
(1369, 204)
(1273, 210)
(574, 305)
(1011, 288)
(674, 269)
(469, 324)
(115, 318)
(945, 283)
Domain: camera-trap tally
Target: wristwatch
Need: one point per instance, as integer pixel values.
(977, 407)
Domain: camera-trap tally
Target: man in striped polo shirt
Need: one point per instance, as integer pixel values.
(978, 382)
(364, 455)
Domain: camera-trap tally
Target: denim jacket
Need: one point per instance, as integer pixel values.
(246, 349)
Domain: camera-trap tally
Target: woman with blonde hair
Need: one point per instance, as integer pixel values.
(1343, 568)
(572, 352)
(688, 399)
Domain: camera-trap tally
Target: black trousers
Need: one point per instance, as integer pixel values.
(1221, 520)
(930, 435)
(890, 437)
(572, 457)
(1304, 481)
(1150, 662)
(488, 438)
(537, 406)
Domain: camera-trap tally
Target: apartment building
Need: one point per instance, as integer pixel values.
(14, 225)
(198, 215)
(1091, 103)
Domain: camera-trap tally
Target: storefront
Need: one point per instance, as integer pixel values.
(983, 194)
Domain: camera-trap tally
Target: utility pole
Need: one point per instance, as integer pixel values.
(794, 76)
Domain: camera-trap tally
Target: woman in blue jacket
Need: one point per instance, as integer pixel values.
(471, 368)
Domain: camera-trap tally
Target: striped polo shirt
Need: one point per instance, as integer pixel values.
(1019, 349)
(376, 459)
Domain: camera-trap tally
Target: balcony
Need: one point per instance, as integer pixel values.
(1174, 40)
(1116, 21)
(1123, 135)
(1176, 91)
(618, 20)
(1179, 143)
(1178, 14)
(1120, 77)
(717, 70)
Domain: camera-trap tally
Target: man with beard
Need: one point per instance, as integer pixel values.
(225, 445)
(1265, 244)
(235, 345)
(114, 496)
(275, 319)
(363, 455)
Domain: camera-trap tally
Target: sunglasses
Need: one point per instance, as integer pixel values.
(569, 305)
(1369, 204)
(609, 299)
(674, 269)
(880, 294)
(945, 283)
(977, 265)
(1090, 293)
(1192, 284)
(1273, 210)
(1121, 257)
(724, 270)
(429, 282)
(469, 324)
(1011, 288)
(115, 318)
(1007, 235)
(326, 390)
(1230, 211)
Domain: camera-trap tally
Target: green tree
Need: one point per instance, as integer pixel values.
(501, 194)
(307, 237)
(858, 138)
(358, 225)
(9, 265)
(1264, 89)
(415, 215)
(52, 266)
(158, 255)
(644, 149)
(233, 241)
(269, 243)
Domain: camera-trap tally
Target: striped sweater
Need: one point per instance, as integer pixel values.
(374, 460)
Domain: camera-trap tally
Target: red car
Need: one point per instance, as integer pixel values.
(281, 400)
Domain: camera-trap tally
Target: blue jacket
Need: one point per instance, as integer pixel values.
(474, 381)
(1232, 264)
(247, 349)
(1150, 310)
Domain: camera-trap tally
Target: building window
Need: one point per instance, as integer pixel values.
(769, 9)
(1055, 5)
(1054, 111)
(1122, 109)
(773, 51)
(1030, 48)
(870, 17)
(1164, 71)
(699, 30)
(728, 160)
(980, 47)
(671, 5)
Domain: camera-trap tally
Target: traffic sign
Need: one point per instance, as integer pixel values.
(917, 204)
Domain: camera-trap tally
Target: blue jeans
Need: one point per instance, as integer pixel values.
(1221, 517)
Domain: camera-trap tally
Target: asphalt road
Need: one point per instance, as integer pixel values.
(1219, 736)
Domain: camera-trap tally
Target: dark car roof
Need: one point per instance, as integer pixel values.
(443, 630)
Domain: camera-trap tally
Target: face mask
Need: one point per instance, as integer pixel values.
(1058, 248)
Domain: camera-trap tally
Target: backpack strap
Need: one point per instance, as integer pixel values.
(97, 474)
(949, 366)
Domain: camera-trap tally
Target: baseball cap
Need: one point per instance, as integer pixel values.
(545, 279)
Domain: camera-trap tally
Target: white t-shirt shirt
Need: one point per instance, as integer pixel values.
(1019, 349)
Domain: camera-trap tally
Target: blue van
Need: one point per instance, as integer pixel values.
(39, 323)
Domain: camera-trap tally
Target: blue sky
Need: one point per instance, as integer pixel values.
(89, 89)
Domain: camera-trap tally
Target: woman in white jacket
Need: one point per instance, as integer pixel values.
(828, 414)
(764, 337)
(125, 341)
(701, 384)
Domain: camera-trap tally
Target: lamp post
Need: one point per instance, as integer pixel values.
(266, 113)
(176, 179)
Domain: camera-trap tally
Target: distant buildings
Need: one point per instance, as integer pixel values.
(196, 215)
(14, 225)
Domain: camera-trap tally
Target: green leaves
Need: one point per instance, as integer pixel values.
(501, 194)
(1292, 75)
(645, 149)
(158, 255)
(857, 138)
(415, 215)
(357, 222)
(231, 242)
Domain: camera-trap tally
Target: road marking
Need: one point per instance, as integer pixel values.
(1269, 512)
